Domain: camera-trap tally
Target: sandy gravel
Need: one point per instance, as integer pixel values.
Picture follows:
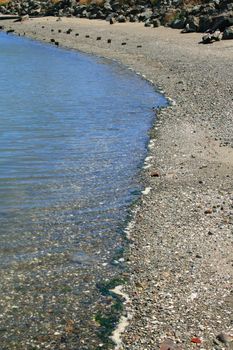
(180, 255)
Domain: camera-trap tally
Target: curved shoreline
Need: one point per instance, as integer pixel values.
(180, 251)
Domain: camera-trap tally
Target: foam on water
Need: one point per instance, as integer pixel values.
(73, 137)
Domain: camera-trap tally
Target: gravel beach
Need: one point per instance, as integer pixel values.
(180, 254)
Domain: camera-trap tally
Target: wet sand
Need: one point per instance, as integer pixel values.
(180, 253)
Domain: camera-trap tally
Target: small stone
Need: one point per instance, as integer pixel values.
(208, 211)
(196, 340)
(155, 174)
(224, 338)
(57, 333)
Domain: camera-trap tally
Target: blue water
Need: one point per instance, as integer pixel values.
(73, 136)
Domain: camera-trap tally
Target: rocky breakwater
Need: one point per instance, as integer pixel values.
(187, 15)
(30, 8)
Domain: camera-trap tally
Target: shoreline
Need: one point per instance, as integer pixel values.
(180, 252)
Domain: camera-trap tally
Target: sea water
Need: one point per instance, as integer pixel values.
(73, 136)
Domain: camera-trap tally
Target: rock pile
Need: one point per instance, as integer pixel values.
(31, 8)
(179, 14)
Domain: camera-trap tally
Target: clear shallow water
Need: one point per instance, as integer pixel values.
(73, 135)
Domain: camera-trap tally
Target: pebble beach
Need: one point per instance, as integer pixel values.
(180, 261)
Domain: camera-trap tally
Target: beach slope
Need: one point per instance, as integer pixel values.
(180, 254)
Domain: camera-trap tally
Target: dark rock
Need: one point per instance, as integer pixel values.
(85, 13)
(107, 6)
(121, 19)
(144, 16)
(192, 24)
(228, 33)
(225, 338)
(178, 23)
(175, 13)
(207, 39)
(156, 23)
(147, 23)
(205, 23)
(94, 16)
(112, 20)
(109, 41)
(133, 18)
(98, 38)
(155, 174)
(230, 7)
(101, 15)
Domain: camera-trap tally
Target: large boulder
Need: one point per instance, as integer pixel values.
(228, 33)
(192, 24)
(156, 23)
(145, 16)
(209, 38)
(178, 23)
(221, 23)
(121, 19)
(205, 23)
(169, 17)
